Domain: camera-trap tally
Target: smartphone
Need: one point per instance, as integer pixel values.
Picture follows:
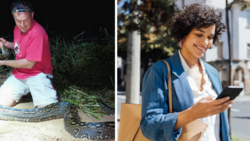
(231, 91)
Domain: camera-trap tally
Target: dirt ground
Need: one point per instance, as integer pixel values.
(52, 130)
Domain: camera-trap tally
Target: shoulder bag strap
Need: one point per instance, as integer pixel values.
(169, 86)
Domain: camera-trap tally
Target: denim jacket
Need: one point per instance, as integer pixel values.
(156, 123)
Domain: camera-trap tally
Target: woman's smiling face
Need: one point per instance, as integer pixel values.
(198, 41)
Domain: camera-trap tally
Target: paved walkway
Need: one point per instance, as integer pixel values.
(243, 98)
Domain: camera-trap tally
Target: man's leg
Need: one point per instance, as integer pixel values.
(11, 91)
(39, 106)
(7, 101)
(41, 90)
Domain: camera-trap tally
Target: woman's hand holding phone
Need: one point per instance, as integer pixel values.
(208, 107)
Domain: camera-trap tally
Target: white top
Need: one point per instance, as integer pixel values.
(213, 122)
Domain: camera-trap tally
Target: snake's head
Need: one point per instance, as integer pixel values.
(5, 53)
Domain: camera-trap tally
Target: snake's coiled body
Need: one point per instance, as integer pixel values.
(72, 123)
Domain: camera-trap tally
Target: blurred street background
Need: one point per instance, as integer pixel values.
(144, 38)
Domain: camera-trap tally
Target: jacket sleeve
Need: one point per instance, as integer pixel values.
(156, 123)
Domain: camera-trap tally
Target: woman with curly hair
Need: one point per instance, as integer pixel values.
(195, 84)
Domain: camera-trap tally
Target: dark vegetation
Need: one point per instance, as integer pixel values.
(83, 67)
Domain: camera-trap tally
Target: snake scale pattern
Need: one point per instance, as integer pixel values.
(72, 123)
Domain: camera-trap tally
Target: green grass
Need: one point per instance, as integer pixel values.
(234, 138)
(247, 94)
(88, 100)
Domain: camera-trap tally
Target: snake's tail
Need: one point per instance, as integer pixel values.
(85, 130)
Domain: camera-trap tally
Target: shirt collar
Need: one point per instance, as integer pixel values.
(186, 67)
(184, 64)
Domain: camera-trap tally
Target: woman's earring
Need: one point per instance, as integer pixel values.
(212, 46)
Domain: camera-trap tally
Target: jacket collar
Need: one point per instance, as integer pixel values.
(181, 84)
(214, 78)
(177, 68)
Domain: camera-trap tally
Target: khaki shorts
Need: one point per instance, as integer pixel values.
(39, 86)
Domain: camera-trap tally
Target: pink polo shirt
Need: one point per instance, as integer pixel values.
(34, 46)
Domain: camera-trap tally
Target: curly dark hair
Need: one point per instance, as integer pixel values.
(196, 16)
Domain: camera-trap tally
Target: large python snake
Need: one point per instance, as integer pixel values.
(72, 123)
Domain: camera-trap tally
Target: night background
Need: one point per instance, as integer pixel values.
(65, 16)
(83, 64)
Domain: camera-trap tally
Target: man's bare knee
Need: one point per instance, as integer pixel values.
(39, 106)
(7, 101)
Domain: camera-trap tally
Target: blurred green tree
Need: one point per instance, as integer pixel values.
(245, 4)
(152, 20)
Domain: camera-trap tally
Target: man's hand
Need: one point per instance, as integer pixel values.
(5, 43)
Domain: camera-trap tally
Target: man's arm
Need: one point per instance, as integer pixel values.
(22, 63)
(10, 45)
